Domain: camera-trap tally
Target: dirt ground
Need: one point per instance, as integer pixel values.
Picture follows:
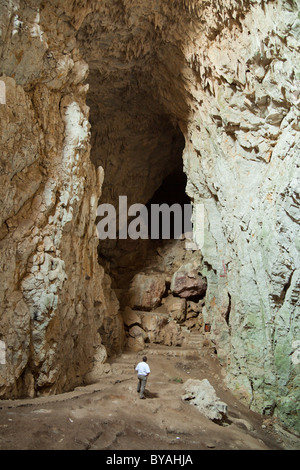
(109, 415)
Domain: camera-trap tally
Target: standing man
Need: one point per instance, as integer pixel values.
(143, 370)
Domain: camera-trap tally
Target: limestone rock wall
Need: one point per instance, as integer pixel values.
(242, 159)
(55, 297)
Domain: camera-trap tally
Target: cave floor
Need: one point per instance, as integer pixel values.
(109, 415)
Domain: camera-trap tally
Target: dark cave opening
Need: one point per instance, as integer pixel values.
(164, 188)
(172, 190)
(172, 198)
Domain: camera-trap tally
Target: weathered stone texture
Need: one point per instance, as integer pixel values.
(242, 158)
(202, 395)
(187, 282)
(146, 291)
(225, 75)
(53, 296)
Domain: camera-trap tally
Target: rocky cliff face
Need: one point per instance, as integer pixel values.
(54, 295)
(222, 76)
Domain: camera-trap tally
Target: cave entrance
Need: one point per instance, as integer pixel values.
(138, 115)
(138, 111)
(165, 187)
(171, 194)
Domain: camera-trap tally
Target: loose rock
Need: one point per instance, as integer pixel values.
(202, 394)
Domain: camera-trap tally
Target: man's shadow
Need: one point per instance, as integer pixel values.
(149, 394)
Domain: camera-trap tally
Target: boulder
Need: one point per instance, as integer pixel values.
(159, 329)
(176, 308)
(171, 334)
(135, 344)
(202, 394)
(187, 282)
(136, 338)
(136, 331)
(130, 317)
(146, 291)
(153, 323)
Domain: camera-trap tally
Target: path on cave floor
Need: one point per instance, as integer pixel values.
(109, 415)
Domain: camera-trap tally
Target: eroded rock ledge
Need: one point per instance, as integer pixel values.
(222, 75)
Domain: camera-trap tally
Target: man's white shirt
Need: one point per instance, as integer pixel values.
(142, 368)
